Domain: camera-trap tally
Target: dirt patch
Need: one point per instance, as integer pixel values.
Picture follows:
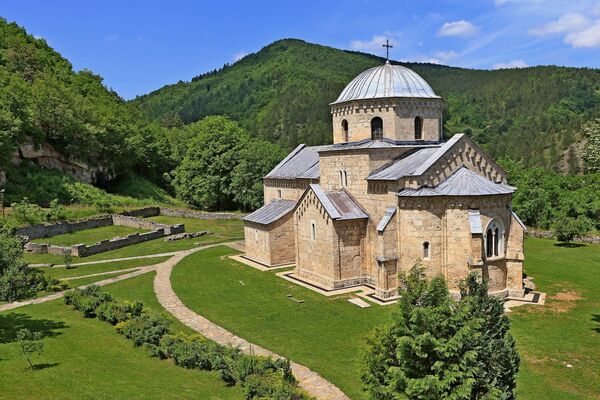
(564, 301)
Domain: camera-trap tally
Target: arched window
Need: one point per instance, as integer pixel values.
(418, 128)
(345, 179)
(345, 130)
(313, 231)
(426, 250)
(279, 193)
(376, 128)
(494, 239)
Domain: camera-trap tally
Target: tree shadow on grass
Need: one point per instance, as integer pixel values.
(570, 245)
(12, 322)
(596, 318)
(37, 367)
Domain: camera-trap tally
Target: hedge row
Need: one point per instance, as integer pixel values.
(259, 377)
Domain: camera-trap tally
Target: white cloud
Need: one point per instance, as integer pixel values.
(510, 64)
(439, 57)
(569, 22)
(239, 55)
(589, 37)
(578, 29)
(374, 45)
(111, 38)
(460, 28)
(445, 56)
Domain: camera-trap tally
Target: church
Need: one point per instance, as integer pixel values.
(387, 194)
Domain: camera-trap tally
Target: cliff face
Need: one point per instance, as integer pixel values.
(48, 157)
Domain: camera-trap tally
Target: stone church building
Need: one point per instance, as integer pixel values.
(388, 193)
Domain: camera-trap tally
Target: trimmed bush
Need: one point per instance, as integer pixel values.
(117, 311)
(146, 329)
(87, 299)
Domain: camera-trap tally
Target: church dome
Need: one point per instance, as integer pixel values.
(386, 81)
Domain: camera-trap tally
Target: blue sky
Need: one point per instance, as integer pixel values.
(138, 46)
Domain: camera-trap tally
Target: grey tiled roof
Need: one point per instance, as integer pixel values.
(463, 182)
(404, 166)
(303, 161)
(339, 205)
(271, 212)
(379, 144)
(443, 149)
(387, 217)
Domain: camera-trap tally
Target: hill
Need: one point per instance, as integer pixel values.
(68, 120)
(282, 92)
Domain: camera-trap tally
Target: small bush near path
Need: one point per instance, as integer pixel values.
(259, 377)
(31, 343)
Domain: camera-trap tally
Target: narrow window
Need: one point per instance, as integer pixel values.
(345, 130)
(313, 231)
(418, 128)
(279, 193)
(345, 179)
(376, 128)
(496, 241)
(489, 243)
(256, 234)
(341, 179)
(425, 250)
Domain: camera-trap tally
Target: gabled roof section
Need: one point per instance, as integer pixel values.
(463, 182)
(302, 162)
(379, 144)
(443, 149)
(387, 217)
(517, 218)
(403, 166)
(271, 212)
(340, 205)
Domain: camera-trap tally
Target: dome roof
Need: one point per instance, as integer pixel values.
(386, 81)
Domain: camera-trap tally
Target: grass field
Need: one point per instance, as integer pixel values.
(328, 334)
(564, 331)
(325, 334)
(88, 359)
(90, 236)
(224, 230)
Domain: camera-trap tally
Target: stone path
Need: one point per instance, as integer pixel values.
(308, 380)
(110, 260)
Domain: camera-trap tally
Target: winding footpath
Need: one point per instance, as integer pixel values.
(310, 381)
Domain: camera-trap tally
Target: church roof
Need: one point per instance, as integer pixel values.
(379, 144)
(271, 212)
(339, 205)
(386, 81)
(463, 182)
(302, 162)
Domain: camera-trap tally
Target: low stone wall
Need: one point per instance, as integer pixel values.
(172, 212)
(134, 222)
(81, 250)
(539, 233)
(142, 212)
(42, 230)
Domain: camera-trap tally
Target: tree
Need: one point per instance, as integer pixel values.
(497, 357)
(31, 343)
(257, 159)
(439, 348)
(591, 152)
(16, 278)
(427, 352)
(68, 259)
(567, 228)
(203, 178)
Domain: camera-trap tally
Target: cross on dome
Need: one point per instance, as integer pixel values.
(387, 46)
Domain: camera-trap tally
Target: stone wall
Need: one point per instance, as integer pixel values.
(272, 244)
(43, 230)
(139, 223)
(81, 250)
(398, 117)
(172, 212)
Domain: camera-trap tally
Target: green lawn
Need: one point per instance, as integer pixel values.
(563, 331)
(225, 230)
(90, 236)
(61, 272)
(325, 334)
(88, 359)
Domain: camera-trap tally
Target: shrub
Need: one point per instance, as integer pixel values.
(87, 300)
(56, 212)
(146, 329)
(47, 283)
(26, 213)
(117, 311)
(567, 228)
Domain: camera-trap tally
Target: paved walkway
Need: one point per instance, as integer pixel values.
(310, 381)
